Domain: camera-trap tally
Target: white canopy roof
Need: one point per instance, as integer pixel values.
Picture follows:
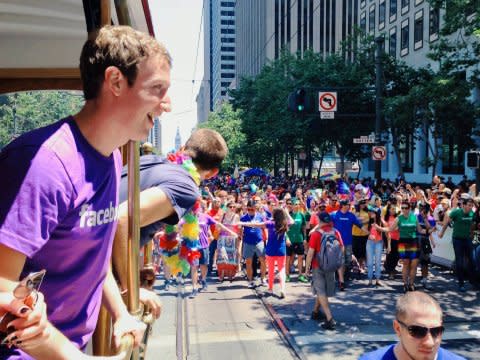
(49, 34)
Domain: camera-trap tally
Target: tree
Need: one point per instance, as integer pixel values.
(228, 123)
(25, 111)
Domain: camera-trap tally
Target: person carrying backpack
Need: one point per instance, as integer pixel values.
(325, 256)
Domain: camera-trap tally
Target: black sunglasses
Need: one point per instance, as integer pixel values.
(405, 207)
(419, 332)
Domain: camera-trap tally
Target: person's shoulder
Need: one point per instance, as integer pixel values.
(444, 354)
(385, 353)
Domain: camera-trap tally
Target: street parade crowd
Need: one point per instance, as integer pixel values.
(262, 227)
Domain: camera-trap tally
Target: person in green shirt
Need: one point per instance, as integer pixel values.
(408, 249)
(462, 219)
(297, 235)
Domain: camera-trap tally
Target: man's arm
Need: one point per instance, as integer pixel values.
(123, 322)
(154, 206)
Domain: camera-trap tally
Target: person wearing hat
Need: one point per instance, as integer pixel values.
(323, 283)
(343, 221)
(462, 240)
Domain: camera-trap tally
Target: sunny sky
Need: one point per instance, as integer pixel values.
(177, 25)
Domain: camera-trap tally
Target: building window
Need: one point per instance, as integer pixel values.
(227, 75)
(227, 67)
(305, 22)
(382, 12)
(227, 4)
(418, 2)
(223, 92)
(434, 23)
(282, 23)
(227, 40)
(227, 13)
(310, 25)
(289, 25)
(362, 3)
(299, 26)
(405, 6)
(227, 48)
(418, 30)
(363, 22)
(404, 38)
(227, 31)
(225, 84)
(327, 26)
(322, 27)
(277, 35)
(371, 19)
(393, 10)
(227, 22)
(452, 159)
(228, 57)
(392, 42)
(406, 153)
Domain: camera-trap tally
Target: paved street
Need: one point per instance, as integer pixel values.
(230, 321)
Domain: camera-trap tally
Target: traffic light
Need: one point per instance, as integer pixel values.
(473, 159)
(297, 100)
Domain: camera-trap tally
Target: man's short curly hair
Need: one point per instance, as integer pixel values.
(119, 46)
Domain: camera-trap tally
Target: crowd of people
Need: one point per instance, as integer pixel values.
(277, 220)
(64, 207)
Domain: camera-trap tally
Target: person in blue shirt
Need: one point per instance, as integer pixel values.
(252, 243)
(343, 221)
(419, 328)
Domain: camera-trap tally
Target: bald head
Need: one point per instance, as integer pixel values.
(415, 301)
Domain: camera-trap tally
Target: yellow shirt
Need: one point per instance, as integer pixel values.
(364, 218)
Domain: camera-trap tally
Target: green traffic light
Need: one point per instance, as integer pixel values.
(300, 107)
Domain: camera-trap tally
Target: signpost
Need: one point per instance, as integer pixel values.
(379, 153)
(327, 104)
(370, 139)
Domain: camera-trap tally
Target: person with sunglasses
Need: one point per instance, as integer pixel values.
(419, 327)
(408, 249)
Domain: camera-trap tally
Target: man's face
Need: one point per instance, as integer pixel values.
(147, 98)
(425, 348)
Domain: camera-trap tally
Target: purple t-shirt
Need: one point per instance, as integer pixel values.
(204, 222)
(59, 207)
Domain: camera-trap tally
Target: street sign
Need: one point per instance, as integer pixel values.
(327, 115)
(327, 101)
(370, 139)
(379, 153)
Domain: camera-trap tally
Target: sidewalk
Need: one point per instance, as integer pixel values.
(364, 316)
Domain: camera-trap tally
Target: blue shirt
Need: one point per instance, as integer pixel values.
(276, 243)
(386, 353)
(252, 235)
(344, 222)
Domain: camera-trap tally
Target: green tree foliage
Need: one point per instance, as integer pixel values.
(459, 45)
(25, 111)
(228, 123)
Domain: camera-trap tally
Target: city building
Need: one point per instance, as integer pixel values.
(155, 136)
(409, 27)
(178, 140)
(221, 32)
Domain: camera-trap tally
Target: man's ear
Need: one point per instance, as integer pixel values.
(114, 80)
(396, 327)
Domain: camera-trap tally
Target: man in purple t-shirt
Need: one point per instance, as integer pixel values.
(59, 205)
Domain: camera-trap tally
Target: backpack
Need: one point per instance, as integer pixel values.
(330, 256)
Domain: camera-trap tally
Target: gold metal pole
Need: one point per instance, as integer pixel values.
(133, 245)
